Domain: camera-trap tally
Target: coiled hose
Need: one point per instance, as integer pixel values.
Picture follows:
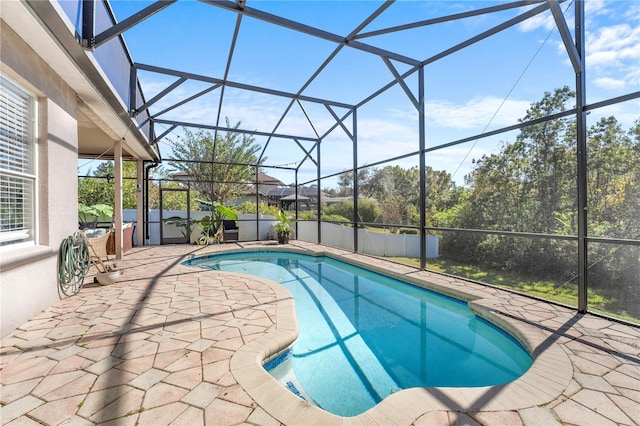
(74, 262)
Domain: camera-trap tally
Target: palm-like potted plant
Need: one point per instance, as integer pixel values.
(89, 216)
(283, 227)
(212, 226)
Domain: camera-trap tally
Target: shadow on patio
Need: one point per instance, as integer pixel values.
(157, 348)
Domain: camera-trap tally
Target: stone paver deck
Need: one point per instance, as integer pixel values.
(175, 345)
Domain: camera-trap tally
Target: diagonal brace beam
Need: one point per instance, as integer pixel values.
(131, 21)
(189, 99)
(233, 130)
(340, 122)
(400, 81)
(454, 17)
(312, 31)
(160, 95)
(309, 156)
(240, 86)
(166, 132)
(509, 23)
(561, 23)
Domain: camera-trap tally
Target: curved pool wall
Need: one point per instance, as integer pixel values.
(355, 349)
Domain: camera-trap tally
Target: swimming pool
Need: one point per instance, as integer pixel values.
(364, 336)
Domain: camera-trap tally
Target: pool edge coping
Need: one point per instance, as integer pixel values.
(547, 378)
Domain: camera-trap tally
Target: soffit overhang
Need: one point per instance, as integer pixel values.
(102, 116)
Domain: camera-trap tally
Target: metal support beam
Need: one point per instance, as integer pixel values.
(257, 205)
(448, 18)
(318, 70)
(133, 92)
(319, 208)
(561, 23)
(581, 150)
(309, 156)
(356, 192)
(88, 23)
(401, 82)
(308, 119)
(511, 22)
(422, 160)
(340, 122)
(275, 128)
(160, 95)
(228, 129)
(315, 32)
(307, 153)
(131, 21)
(240, 86)
(187, 100)
(166, 132)
(232, 49)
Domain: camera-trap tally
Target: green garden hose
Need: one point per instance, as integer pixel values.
(74, 262)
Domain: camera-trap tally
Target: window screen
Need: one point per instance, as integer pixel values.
(17, 165)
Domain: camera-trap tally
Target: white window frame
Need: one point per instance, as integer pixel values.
(17, 174)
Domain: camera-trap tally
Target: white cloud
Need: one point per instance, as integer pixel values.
(613, 50)
(596, 7)
(542, 20)
(609, 83)
(613, 56)
(613, 45)
(380, 138)
(477, 112)
(545, 21)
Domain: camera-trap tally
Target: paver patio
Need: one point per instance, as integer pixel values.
(175, 345)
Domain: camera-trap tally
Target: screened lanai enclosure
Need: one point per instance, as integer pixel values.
(496, 141)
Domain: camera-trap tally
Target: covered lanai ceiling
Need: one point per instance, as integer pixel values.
(293, 72)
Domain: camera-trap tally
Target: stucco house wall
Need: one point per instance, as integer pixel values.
(28, 280)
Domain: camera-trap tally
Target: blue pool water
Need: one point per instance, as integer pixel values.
(364, 336)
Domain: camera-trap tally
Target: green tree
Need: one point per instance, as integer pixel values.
(221, 166)
(395, 195)
(530, 186)
(368, 210)
(530, 182)
(396, 189)
(99, 188)
(345, 183)
(441, 195)
(614, 179)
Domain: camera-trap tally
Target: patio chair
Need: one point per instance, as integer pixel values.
(229, 230)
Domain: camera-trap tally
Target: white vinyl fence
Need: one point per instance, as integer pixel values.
(373, 243)
(247, 230)
(334, 235)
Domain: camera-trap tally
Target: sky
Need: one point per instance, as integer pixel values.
(485, 86)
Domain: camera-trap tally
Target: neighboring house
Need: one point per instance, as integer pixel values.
(286, 197)
(57, 103)
(262, 186)
(266, 183)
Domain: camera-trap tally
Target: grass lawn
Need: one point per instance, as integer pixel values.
(566, 293)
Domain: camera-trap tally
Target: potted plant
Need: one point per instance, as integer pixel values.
(90, 216)
(212, 226)
(283, 227)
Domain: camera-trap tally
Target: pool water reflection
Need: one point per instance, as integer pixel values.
(364, 336)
